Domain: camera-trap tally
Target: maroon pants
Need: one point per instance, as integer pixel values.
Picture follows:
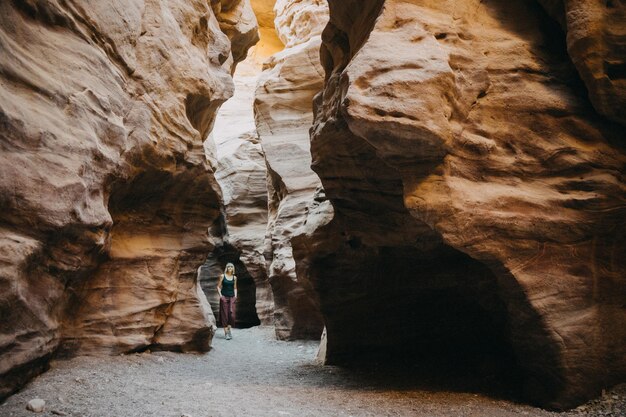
(227, 311)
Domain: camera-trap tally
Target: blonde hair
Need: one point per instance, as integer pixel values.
(226, 268)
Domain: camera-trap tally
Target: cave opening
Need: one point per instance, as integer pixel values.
(246, 313)
(405, 317)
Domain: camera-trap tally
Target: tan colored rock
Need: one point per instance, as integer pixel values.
(242, 161)
(596, 38)
(477, 195)
(105, 192)
(238, 21)
(297, 21)
(269, 42)
(283, 113)
(241, 174)
(264, 11)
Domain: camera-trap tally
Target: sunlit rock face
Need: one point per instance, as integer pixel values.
(105, 194)
(299, 21)
(478, 194)
(238, 21)
(254, 156)
(283, 114)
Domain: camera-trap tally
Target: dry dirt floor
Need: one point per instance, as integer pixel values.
(255, 375)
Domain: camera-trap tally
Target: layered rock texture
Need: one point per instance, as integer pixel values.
(240, 172)
(596, 37)
(479, 194)
(268, 153)
(473, 152)
(283, 114)
(105, 192)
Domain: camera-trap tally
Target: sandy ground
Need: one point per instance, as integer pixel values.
(254, 375)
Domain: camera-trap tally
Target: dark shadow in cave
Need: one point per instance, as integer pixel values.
(246, 301)
(436, 320)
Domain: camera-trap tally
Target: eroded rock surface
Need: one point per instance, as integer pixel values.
(241, 173)
(238, 21)
(478, 196)
(596, 39)
(283, 113)
(106, 195)
(242, 177)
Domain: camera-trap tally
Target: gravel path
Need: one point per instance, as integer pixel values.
(253, 375)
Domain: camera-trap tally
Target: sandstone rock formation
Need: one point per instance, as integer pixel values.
(241, 174)
(238, 21)
(478, 196)
(269, 43)
(242, 164)
(596, 39)
(240, 171)
(105, 192)
(283, 113)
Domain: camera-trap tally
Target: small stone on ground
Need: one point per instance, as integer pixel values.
(36, 405)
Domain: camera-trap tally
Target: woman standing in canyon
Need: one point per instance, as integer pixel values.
(227, 289)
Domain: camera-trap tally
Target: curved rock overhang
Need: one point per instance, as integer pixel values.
(468, 145)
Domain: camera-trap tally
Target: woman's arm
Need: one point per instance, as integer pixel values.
(219, 285)
(235, 277)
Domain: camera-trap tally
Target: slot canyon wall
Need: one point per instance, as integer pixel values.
(263, 168)
(106, 196)
(479, 195)
(473, 153)
(283, 114)
(241, 174)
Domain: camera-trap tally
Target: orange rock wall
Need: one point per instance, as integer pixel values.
(459, 134)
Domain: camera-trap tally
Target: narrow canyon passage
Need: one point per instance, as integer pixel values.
(424, 203)
(252, 375)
